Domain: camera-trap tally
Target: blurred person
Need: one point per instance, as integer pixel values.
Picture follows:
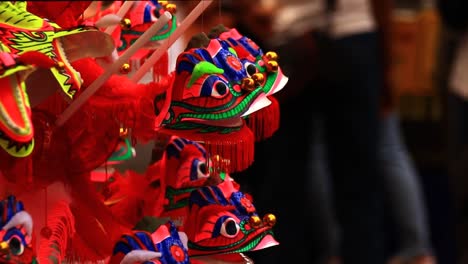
(454, 14)
(405, 196)
(402, 188)
(332, 55)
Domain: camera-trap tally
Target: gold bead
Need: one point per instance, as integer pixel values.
(272, 66)
(216, 158)
(163, 3)
(259, 78)
(269, 219)
(60, 65)
(171, 8)
(271, 55)
(255, 221)
(248, 84)
(126, 23)
(4, 247)
(123, 132)
(125, 68)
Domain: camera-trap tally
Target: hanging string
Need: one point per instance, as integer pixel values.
(45, 201)
(45, 231)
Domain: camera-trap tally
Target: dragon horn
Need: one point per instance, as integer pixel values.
(21, 218)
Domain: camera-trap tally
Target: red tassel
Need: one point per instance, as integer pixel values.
(237, 147)
(265, 122)
(125, 196)
(62, 225)
(161, 68)
(95, 223)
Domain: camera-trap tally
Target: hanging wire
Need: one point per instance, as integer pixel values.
(46, 205)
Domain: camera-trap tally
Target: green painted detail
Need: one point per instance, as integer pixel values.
(233, 51)
(170, 195)
(201, 69)
(126, 155)
(271, 79)
(168, 33)
(234, 92)
(202, 128)
(222, 175)
(261, 69)
(156, 37)
(232, 248)
(236, 111)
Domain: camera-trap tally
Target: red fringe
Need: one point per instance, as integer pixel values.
(62, 225)
(95, 223)
(265, 122)
(237, 147)
(161, 68)
(127, 189)
(17, 171)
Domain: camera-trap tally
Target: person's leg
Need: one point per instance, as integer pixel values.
(403, 191)
(324, 230)
(352, 124)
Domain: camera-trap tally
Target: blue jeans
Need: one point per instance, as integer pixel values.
(402, 188)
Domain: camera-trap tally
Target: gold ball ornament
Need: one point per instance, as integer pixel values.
(259, 78)
(4, 247)
(269, 219)
(126, 23)
(60, 65)
(272, 66)
(163, 3)
(123, 132)
(125, 68)
(171, 8)
(248, 84)
(271, 55)
(255, 221)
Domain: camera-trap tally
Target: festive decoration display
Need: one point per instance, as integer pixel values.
(264, 69)
(73, 107)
